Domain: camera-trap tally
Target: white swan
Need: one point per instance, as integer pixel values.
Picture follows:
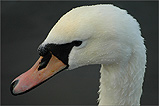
(98, 34)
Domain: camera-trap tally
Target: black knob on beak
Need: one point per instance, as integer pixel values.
(42, 50)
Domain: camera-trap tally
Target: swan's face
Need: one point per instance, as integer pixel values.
(83, 36)
(102, 39)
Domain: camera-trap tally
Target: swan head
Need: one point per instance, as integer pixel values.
(106, 32)
(98, 34)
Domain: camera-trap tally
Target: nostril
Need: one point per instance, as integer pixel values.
(13, 84)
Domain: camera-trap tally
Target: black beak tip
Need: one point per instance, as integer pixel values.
(13, 84)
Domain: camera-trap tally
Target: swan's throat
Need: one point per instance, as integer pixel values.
(120, 86)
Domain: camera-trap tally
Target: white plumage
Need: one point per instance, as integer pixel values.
(111, 37)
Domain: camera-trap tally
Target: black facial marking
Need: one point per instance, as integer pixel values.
(42, 50)
(45, 60)
(61, 51)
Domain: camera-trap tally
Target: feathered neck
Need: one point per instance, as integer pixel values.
(121, 84)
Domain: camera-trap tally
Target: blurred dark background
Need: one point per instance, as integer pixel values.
(26, 24)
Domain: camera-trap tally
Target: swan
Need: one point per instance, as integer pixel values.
(96, 34)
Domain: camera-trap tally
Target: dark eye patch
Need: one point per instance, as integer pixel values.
(61, 51)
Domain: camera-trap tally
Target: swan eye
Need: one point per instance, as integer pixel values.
(77, 43)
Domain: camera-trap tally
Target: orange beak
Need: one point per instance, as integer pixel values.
(34, 77)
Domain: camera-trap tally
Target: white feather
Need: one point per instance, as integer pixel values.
(111, 37)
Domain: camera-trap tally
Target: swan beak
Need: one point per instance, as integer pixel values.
(33, 77)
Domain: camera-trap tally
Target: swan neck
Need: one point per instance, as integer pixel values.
(121, 84)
